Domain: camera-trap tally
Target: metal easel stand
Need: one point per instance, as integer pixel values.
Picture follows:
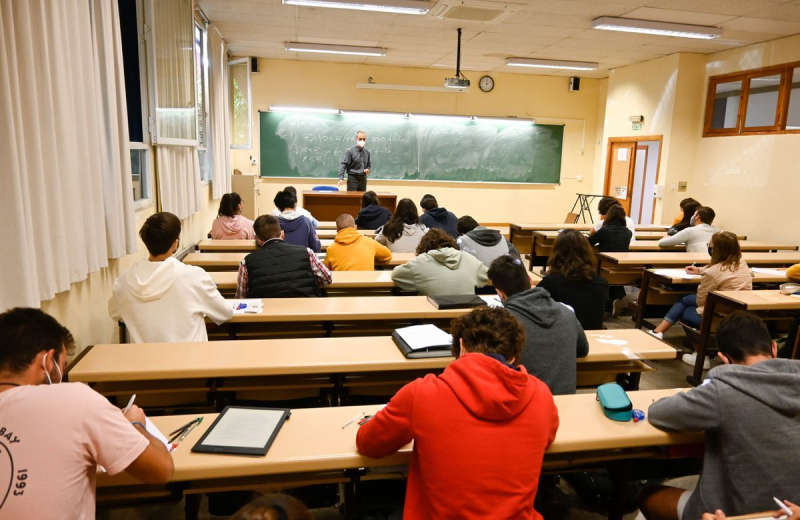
(584, 200)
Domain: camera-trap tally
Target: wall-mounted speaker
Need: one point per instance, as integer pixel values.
(574, 84)
(254, 65)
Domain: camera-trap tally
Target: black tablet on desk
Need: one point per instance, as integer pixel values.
(241, 430)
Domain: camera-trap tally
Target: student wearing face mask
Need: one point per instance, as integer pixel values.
(57, 434)
(356, 164)
(697, 235)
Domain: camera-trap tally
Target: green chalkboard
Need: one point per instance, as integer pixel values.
(412, 148)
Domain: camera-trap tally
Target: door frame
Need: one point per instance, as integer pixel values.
(635, 140)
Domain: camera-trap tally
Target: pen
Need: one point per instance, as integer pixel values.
(182, 428)
(189, 429)
(783, 506)
(352, 420)
(130, 403)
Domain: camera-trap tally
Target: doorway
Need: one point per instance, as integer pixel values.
(632, 173)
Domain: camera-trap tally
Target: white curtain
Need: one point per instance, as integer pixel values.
(179, 180)
(219, 138)
(63, 141)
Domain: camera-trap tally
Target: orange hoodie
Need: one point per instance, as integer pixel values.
(352, 251)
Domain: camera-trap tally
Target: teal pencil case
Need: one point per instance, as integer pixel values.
(615, 402)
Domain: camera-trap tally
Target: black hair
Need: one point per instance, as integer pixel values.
(159, 232)
(291, 189)
(743, 334)
(615, 215)
(466, 224)
(706, 214)
(605, 204)
(406, 213)
(229, 204)
(285, 199)
(24, 333)
(428, 202)
(688, 211)
(509, 275)
(370, 198)
(274, 506)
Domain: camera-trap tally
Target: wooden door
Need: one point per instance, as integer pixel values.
(619, 173)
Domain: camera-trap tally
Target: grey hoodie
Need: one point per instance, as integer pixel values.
(553, 339)
(407, 242)
(440, 272)
(751, 417)
(486, 244)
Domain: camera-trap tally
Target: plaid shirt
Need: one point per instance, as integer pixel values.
(321, 273)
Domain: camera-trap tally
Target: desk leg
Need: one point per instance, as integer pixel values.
(619, 472)
(705, 331)
(642, 299)
(533, 252)
(351, 493)
(191, 508)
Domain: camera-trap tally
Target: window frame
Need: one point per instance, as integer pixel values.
(204, 144)
(143, 29)
(785, 71)
(249, 144)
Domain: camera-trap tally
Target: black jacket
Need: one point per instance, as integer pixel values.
(586, 297)
(442, 219)
(280, 270)
(372, 217)
(615, 238)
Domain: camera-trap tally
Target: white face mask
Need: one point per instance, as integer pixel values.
(361, 143)
(47, 374)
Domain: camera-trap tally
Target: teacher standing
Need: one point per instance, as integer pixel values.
(356, 164)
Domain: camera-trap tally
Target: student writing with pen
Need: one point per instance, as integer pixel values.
(57, 434)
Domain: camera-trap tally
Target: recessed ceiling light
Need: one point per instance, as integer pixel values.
(679, 30)
(418, 7)
(334, 49)
(551, 64)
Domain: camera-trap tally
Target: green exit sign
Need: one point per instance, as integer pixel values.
(636, 126)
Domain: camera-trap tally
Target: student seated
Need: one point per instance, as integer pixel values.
(480, 429)
(726, 272)
(605, 204)
(682, 214)
(352, 251)
(793, 272)
(553, 337)
(749, 409)
(434, 217)
(279, 269)
(572, 279)
(613, 237)
(298, 230)
(689, 207)
(440, 269)
(372, 214)
(483, 243)
(57, 434)
(697, 236)
(230, 224)
(298, 208)
(403, 231)
(162, 300)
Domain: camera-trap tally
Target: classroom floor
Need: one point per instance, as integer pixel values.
(669, 374)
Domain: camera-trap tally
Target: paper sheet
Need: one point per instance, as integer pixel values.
(244, 428)
(248, 306)
(676, 273)
(424, 336)
(769, 272)
(153, 430)
(492, 301)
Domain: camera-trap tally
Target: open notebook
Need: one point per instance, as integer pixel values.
(423, 341)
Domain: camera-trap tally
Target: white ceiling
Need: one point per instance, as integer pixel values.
(555, 29)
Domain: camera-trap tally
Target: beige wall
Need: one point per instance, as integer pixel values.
(547, 98)
(744, 178)
(84, 308)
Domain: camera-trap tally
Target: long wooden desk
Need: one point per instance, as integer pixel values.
(662, 287)
(626, 268)
(345, 283)
(328, 205)
(363, 364)
(770, 305)
(230, 261)
(313, 447)
(208, 244)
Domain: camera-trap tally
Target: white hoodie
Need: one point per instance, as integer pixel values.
(165, 302)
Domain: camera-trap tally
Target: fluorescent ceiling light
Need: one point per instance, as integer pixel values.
(306, 110)
(505, 120)
(679, 30)
(385, 6)
(413, 88)
(334, 49)
(550, 64)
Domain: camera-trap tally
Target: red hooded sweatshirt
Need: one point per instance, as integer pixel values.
(480, 431)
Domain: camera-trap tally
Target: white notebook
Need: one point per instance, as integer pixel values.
(424, 336)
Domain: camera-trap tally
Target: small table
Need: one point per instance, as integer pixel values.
(328, 205)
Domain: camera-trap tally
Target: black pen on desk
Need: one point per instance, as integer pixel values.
(182, 429)
(190, 428)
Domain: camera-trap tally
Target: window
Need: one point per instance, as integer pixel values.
(201, 67)
(171, 62)
(754, 102)
(239, 88)
(133, 59)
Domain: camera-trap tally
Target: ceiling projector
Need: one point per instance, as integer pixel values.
(456, 82)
